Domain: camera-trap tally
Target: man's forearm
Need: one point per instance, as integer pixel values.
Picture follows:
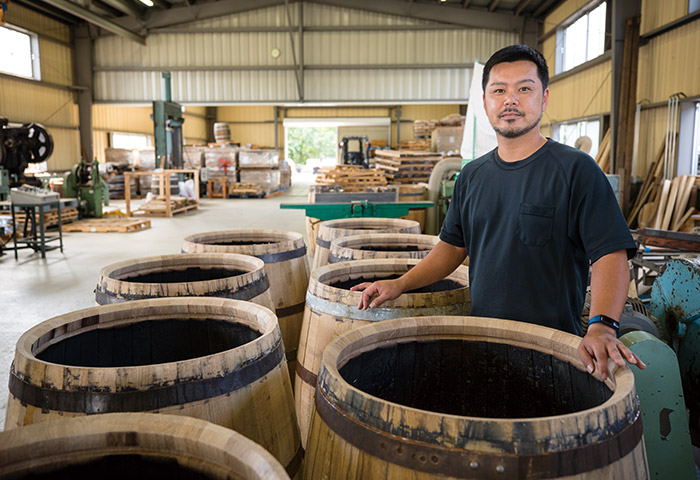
(442, 260)
(609, 284)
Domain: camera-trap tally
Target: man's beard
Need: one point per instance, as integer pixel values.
(517, 132)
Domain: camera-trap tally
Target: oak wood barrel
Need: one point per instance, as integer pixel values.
(345, 227)
(240, 277)
(133, 445)
(470, 397)
(331, 309)
(312, 225)
(284, 254)
(381, 245)
(222, 132)
(414, 193)
(217, 359)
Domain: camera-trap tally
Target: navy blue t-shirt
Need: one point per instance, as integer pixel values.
(531, 228)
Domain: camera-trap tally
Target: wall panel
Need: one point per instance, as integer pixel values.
(668, 64)
(656, 13)
(562, 13)
(582, 95)
(45, 26)
(56, 62)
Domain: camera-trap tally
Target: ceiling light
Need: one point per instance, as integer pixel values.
(147, 2)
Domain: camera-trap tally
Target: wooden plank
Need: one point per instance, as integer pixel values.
(665, 187)
(675, 185)
(663, 238)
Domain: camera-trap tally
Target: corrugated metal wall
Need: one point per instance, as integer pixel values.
(25, 101)
(562, 13)
(204, 64)
(579, 96)
(656, 14)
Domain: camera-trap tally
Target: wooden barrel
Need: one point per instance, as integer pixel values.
(331, 309)
(468, 397)
(222, 132)
(345, 227)
(312, 224)
(284, 254)
(216, 359)
(240, 277)
(381, 245)
(133, 445)
(414, 193)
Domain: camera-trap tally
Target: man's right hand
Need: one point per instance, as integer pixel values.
(383, 289)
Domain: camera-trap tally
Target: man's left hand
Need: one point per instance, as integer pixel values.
(601, 343)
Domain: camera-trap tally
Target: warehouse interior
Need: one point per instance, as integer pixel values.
(156, 120)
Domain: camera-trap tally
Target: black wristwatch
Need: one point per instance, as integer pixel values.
(607, 321)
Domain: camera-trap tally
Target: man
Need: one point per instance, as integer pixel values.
(532, 215)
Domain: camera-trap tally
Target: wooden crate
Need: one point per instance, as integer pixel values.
(165, 204)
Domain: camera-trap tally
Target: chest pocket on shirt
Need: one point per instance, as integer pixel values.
(536, 224)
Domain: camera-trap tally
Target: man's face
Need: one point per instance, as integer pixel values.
(513, 99)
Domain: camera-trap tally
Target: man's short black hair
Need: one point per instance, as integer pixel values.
(516, 53)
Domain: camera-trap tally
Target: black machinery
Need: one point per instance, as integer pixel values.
(355, 157)
(19, 146)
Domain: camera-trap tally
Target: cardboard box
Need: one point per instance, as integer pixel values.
(447, 139)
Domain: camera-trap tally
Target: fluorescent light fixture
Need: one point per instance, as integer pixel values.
(147, 2)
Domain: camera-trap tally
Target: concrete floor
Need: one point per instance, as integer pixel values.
(33, 289)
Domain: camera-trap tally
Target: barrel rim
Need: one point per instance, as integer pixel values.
(344, 223)
(345, 249)
(94, 436)
(562, 345)
(255, 266)
(390, 238)
(318, 288)
(256, 317)
(285, 241)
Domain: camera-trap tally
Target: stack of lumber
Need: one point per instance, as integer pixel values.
(404, 166)
(665, 204)
(423, 128)
(602, 158)
(352, 178)
(415, 144)
(68, 214)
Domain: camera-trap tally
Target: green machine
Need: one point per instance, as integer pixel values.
(85, 183)
(363, 208)
(167, 128)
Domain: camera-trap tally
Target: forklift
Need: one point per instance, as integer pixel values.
(355, 157)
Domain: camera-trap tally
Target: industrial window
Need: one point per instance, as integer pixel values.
(582, 40)
(19, 54)
(130, 141)
(569, 132)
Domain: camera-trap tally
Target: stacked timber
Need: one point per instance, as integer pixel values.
(215, 359)
(260, 166)
(423, 128)
(415, 144)
(469, 397)
(407, 167)
(665, 204)
(157, 207)
(352, 178)
(134, 445)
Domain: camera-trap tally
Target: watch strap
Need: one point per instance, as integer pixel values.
(607, 321)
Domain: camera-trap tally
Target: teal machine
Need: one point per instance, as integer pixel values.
(167, 128)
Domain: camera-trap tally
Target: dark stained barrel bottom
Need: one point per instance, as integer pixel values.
(473, 378)
(397, 248)
(441, 286)
(148, 343)
(121, 467)
(192, 274)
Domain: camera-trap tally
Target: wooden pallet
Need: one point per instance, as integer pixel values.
(407, 167)
(105, 225)
(351, 178)
(158, 208)
(245, 190)
(68, 214)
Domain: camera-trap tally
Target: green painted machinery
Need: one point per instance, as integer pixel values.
(85, 183)
(363, 208)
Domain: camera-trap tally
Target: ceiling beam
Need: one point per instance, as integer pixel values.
(493, 5)
(193, 12)
(107, 9)
(542, 8)
(125, 7)
(436, 13)
(49, 11)
(521, 6)
(93, 18)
